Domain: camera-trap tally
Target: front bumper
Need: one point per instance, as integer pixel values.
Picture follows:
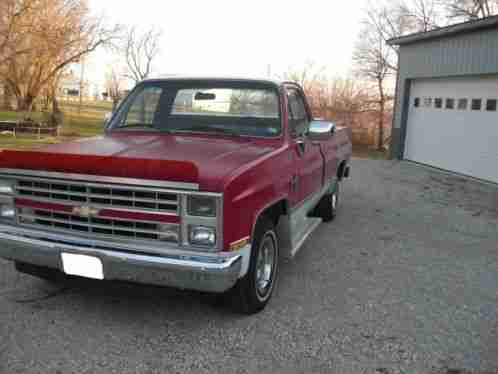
(211, 273)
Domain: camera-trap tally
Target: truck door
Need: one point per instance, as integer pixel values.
(308, 159)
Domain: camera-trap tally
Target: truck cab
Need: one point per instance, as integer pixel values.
(197, 183)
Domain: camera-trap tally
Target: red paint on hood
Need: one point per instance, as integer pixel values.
(100, 165)
(206, 160)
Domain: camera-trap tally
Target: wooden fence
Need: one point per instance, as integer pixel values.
(36, 128)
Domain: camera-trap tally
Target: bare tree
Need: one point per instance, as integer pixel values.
(140, 50)
(340, 99)
(422, 15)
(53, 34)
(12, 25)
(114, 84)
(465, 10)
(306, 76)
(388, 21)
(376, 61)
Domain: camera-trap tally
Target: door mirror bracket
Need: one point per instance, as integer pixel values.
(321, 130)
(301, 146)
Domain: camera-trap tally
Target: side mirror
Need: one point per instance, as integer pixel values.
(321, 130)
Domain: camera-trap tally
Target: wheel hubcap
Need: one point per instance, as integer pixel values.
(265, 265)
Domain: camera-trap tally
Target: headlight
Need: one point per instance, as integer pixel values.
(6, 187)
(202, 235)
(7, 211)
(201, 206)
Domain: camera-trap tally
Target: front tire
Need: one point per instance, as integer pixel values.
(254, 290)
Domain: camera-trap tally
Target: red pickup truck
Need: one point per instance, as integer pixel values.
(197, 183)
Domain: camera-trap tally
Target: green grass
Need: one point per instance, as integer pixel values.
(87, 122)
(87, 105)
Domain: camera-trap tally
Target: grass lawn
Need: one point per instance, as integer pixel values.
(87, 122)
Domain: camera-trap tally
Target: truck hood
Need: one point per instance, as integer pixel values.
(205, 160)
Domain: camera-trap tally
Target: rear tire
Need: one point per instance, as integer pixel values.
(329, 204)
(252, 292)
(45, 273)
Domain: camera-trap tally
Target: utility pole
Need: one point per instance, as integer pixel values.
(82, 78)
(268, 70)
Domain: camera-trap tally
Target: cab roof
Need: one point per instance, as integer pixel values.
(170, 78)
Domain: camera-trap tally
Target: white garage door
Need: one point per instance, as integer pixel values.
(453, 125)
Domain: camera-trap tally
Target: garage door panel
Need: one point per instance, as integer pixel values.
(463, 141)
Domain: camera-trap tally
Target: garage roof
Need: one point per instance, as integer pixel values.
(459, 28)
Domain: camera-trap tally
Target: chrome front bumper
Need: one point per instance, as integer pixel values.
(185, 270)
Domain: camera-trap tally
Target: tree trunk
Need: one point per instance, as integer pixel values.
(55, 105)
(57, 115)
(7, 97)
(46, 102)
(382, 108)
(20, 103)
(25, 104)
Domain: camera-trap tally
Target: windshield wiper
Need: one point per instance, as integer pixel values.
(205, 129)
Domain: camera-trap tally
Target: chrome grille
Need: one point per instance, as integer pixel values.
(99, 226)
(98, 196)
(104, 196)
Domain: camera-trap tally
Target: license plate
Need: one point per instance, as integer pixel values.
(82, 266)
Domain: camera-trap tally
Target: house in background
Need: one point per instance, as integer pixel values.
(446, 104)
(70, 86)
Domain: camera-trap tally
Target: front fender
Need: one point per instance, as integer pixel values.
(251, 191)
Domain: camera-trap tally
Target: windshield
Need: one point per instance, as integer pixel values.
(245, 109)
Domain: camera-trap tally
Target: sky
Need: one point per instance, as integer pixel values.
(239, 37)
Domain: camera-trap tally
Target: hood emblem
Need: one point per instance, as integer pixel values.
(85, 211)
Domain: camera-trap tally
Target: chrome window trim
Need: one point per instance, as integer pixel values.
(103, 179)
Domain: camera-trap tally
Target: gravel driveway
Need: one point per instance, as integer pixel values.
(404, 281)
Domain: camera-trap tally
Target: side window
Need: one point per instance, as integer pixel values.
(298, 117)
(416, 102)
(450, 103)
(438, 103)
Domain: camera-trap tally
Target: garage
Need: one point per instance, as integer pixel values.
(453, 125)
(445, 113)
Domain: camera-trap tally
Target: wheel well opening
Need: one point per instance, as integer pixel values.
(275, 211)
(340, 170)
